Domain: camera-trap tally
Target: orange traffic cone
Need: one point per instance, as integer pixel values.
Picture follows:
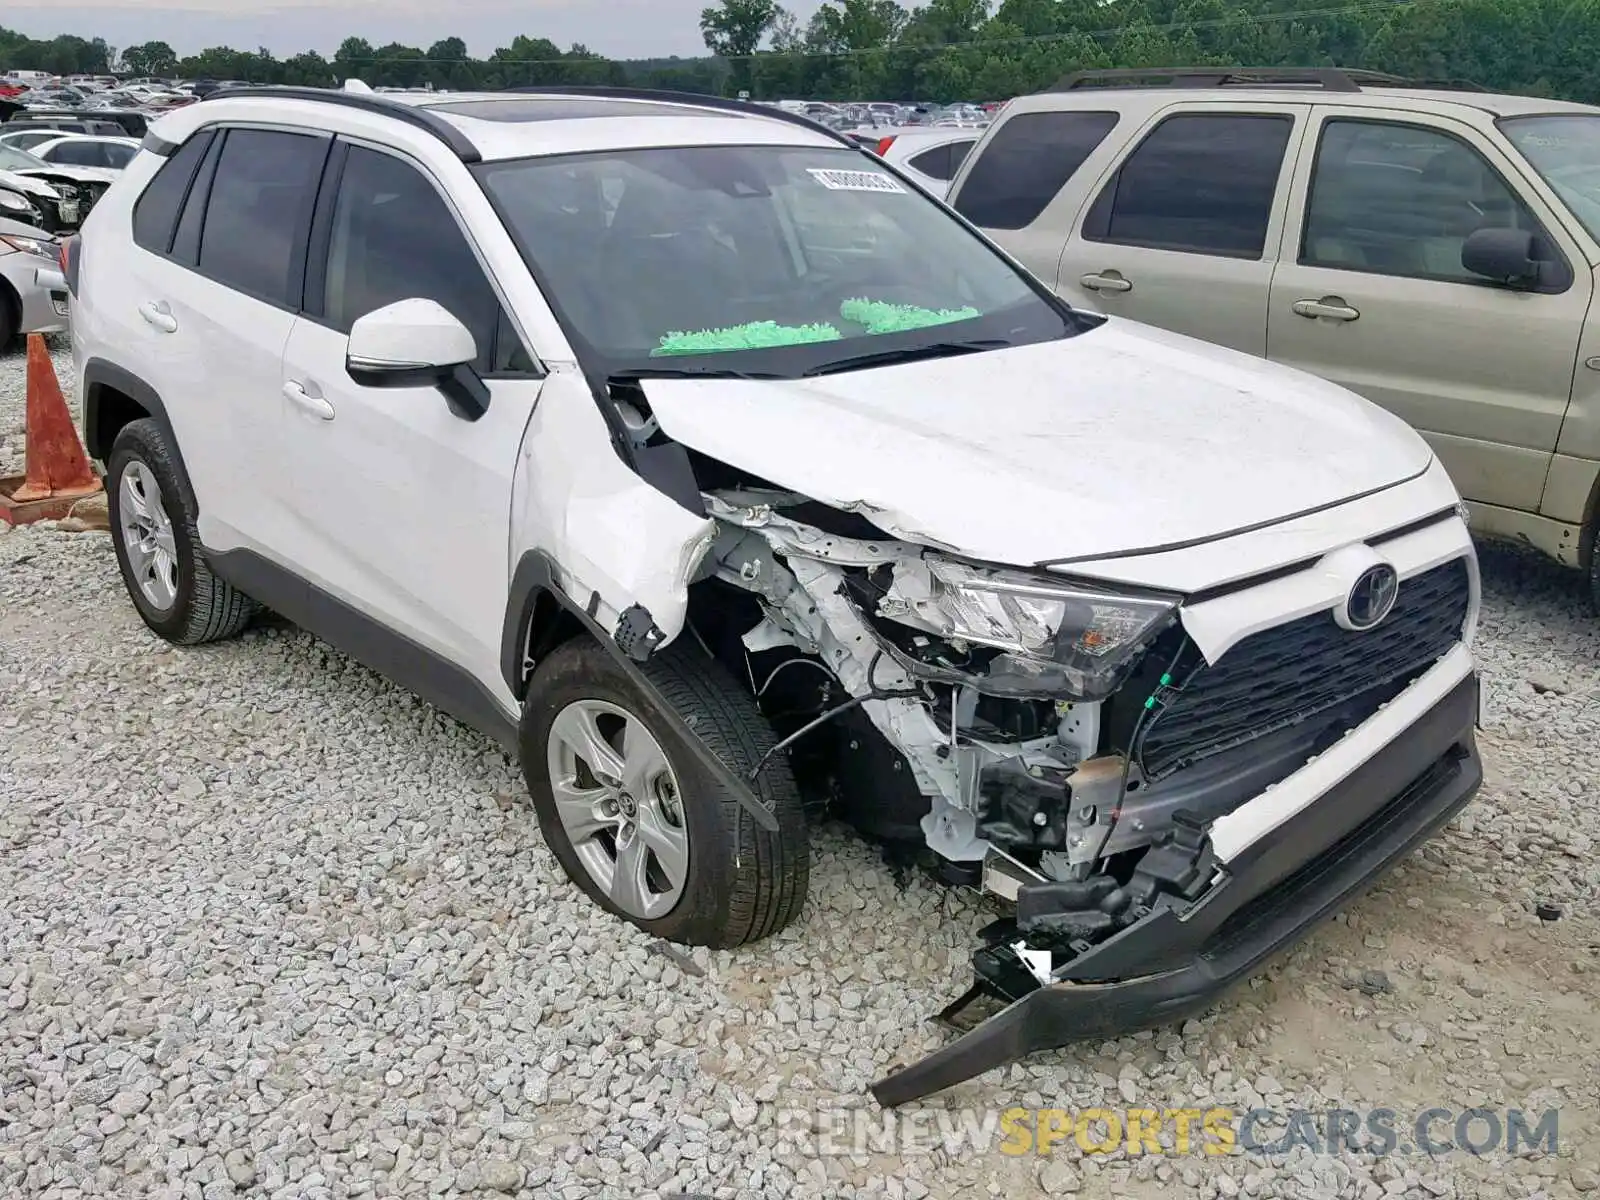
(58, 474)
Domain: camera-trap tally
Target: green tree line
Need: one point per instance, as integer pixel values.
(944, 50)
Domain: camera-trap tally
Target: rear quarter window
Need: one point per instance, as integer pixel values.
(1027, 161)
(155, 215)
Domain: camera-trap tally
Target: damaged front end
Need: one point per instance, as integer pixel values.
(1069, 750)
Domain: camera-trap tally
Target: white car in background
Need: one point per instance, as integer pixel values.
(105, 156)
(930, 156)
(27, 139)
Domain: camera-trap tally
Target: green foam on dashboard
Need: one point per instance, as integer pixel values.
(879, 316)
(757, 335)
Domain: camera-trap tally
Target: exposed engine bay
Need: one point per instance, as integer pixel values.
(1062, 745)
(1030, 735)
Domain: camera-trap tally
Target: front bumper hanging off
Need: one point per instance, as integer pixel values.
(1176, 959)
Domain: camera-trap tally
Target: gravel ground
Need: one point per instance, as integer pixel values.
(270, 926)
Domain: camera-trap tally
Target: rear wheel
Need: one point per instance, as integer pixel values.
(633, 816)
(158, 547)
(1594, 566)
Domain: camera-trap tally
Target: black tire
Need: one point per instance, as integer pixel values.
(10, 317)
(743, 882)
(1594, 566)
(205, 608)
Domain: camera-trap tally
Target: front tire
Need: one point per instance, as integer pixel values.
(637, 821)
(158, 547)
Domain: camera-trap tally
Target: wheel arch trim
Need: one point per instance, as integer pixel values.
(535, 576)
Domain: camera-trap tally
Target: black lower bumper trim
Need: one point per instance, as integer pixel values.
(1408, 802)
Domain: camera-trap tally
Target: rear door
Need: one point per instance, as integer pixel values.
(1183, 231)
(213, 297)
(1371, 293)
(1016, 186)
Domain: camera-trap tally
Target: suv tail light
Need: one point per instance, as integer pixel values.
(884, 144)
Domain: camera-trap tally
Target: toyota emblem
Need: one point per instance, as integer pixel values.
(1372, 597)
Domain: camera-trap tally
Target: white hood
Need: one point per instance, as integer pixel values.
(18, 182)
(1122, 439)
(75, 174)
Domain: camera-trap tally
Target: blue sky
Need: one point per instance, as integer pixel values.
(619, 28)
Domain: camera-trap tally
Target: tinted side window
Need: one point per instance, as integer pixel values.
(1396, 199)
(1199, 183)
(156, 212)
(933, 163)
(394, 238)
(78, 154)
(1027, 161)
(259, 212)
(118, 156)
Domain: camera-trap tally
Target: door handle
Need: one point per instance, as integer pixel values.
(1107, 281)
(159, 314)
(1330, 307)
(317, 406)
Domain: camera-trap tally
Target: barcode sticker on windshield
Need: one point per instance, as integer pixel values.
(855, 181)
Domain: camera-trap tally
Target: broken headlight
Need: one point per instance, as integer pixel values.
(1053, 637)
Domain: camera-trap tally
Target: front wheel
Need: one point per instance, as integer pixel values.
(633, 816)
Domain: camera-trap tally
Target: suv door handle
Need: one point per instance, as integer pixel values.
(159, 314)
(317, 406)
(1331, 307)
(1107, 281)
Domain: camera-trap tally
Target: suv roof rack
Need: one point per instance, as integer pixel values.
(370, 102)
(717, 103)
(1330, 79)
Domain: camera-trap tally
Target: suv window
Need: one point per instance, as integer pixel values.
(1026, 162)
(941, 162)
(156, 213)
(259, 212)
(394, 238)
(79, 154)
(1200, 183)
(1395, 199)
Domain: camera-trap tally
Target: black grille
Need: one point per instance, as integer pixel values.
(1285, 675)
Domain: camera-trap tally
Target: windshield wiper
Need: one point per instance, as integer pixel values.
(630, 373)
(884, 358)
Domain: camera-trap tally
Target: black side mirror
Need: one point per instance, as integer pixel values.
(1512, 257)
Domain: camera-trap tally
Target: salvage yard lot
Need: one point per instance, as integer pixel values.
(269, 925)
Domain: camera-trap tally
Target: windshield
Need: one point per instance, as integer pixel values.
(1565, 150)
(758, 259)
(17, 160)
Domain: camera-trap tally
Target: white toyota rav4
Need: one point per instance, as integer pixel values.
(683, 448)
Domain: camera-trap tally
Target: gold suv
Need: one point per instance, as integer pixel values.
(1432, 247)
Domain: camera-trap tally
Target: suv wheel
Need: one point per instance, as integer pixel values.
(1594, 566)
(158, 549)
(634, 818)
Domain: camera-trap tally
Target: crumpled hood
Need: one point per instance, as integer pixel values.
(72, 174)
(28, 186)
(1123, 439)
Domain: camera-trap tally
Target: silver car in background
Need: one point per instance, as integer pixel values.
(33, 295)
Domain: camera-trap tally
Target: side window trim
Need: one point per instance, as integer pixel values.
(198, 195)
(1326, 117)
(199, 192)
(205, 135)
(1094, 218)
(321, 241)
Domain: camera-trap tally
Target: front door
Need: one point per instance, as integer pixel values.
(1371, 294)
(404, 508)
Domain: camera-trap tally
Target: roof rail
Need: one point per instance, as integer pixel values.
(419, 118)
(1330, 79)
(719, 103)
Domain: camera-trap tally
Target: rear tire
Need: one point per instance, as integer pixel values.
(158, 547)
(1594, 566)
(735, 882)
